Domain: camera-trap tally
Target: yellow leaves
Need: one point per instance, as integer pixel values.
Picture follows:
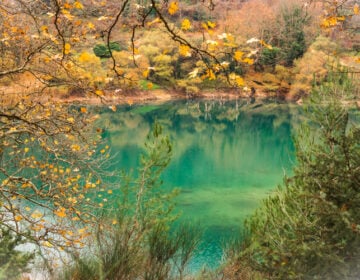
(185, 24)
(47, 244)
(26, 149)
(356, 9)
(210, 74)
(114, 222)
(173, 7)
(36, 215)
(248, 60)
(184, 50)
(332, 21)
(67, 5)
(208, 26)
(72, 200)
(239, 81)
(145, 73)
(47, 60)
(99, 92)
(25, 185)
(18, 218)
(78, 5)
(211, 24)
(71, 120)
(236, 80)
(238, 55)
(109, 191)
(91, 26)
(75, 147)
(67, 48)
(82, 230)
(60, 212)
(85, 57)
(262, 42)
(153, 21)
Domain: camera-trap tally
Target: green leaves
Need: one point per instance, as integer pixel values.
(309, 228)
(12, 261)
(103, 51)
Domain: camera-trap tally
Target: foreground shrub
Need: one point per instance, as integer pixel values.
(12, 262)
(310, 228)
(138, 239)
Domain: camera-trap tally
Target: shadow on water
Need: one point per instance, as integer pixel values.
(227, 157)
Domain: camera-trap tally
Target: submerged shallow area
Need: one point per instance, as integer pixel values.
(227, 157)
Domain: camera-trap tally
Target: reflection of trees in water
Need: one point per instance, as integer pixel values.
(234, 134)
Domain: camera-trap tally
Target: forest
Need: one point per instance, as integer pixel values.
(84, 81)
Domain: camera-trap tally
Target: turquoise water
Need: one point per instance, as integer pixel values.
(228, 156)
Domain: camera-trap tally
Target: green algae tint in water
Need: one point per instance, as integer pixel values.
(227, 158)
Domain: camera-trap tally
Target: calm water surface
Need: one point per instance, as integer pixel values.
(228, 156)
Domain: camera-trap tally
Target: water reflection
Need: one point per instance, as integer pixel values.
(227, 156)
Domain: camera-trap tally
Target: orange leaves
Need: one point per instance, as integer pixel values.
(149, 85)
(60, 212)
(83, 110)
(113, 108)
(185, 24)
(173, 7)
(77, 5)
(67, 5)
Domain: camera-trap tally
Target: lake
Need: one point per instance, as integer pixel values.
(227, 157)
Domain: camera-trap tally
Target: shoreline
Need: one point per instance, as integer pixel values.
(159, 96)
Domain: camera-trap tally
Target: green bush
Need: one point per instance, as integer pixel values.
(103, 51)
(143, 242)
(310, 228)
(12, 262)
(269, 57)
